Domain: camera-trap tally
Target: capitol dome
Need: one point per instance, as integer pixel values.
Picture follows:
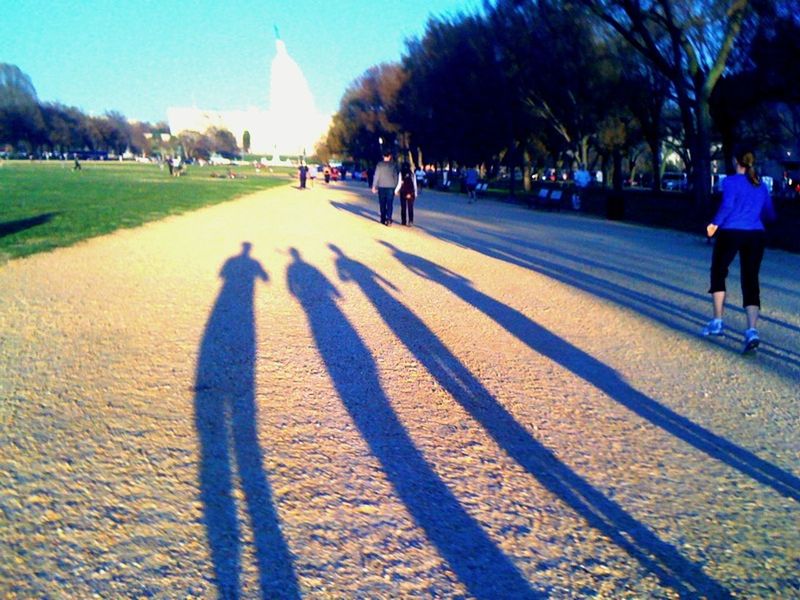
(291, 126)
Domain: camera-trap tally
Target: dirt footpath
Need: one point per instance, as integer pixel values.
(279, 397)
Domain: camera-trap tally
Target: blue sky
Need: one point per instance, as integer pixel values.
(141, 56)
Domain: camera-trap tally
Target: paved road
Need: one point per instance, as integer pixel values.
(279, 397)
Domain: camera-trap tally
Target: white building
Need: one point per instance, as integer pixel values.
(291, 127)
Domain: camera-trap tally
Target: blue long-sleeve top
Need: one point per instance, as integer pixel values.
(744, 205)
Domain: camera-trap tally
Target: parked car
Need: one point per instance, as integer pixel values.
(217, 159)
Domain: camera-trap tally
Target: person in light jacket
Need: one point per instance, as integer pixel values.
(384, 183)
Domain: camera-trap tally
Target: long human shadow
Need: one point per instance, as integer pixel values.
(659, 557)
(596, 285)
(478, 563)
(782, 360)
(629, 274)
(359, 211)
(576, 277)
(225, 418)
(662, 311)
(603, 377)
(11, 227)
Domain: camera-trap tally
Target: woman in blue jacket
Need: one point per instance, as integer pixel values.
(739, 228)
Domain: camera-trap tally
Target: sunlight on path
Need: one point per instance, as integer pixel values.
(279, 397)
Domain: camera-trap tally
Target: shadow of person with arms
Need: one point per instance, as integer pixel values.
(357, 210)
(604, 377)
(225, 418)
(475, 559)
(662, 306)
(659, 557)
(12, 227)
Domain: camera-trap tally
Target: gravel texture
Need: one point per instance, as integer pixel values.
(495, 403)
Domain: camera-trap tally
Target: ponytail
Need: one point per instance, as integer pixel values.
(747, 160)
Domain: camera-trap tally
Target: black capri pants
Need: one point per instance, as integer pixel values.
(750, 246)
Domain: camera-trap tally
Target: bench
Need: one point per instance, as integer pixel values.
(549, 198)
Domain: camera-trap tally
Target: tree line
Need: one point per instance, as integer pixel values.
(615, 85)
(31, 127)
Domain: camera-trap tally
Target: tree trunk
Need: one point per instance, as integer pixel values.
(617, 177)
(728, 140)
(701, 156)
(526, 171)
(512, 163)
(615, 207)
(655, 151)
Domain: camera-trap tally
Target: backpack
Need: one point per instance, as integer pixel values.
(407, 188)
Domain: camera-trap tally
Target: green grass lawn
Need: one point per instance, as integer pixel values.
(48, 205)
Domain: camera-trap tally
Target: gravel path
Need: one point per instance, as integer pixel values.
(279, 397)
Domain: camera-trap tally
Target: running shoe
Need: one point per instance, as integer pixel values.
(714, 327)
(751, 340)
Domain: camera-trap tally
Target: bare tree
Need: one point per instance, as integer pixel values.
(689, 42)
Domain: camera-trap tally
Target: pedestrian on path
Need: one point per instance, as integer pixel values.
(303, 172)
(407, 191)
(582, 179)
(471, 181)
(384, 183)
(739, 228)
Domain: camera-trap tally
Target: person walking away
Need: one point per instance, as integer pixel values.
(420, 175)
(582, 179)
(303, 172)
(407, 191)
(471, 181)
(384, 182)
(739, 228)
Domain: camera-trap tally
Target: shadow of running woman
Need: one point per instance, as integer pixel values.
(605, 378)
(600, 512)
(478, 563)
(225, 418)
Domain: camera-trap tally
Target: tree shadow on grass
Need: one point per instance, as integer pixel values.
(12, 227)
(461, 541)
(226, 418)
(658, 557)
(603, 377)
